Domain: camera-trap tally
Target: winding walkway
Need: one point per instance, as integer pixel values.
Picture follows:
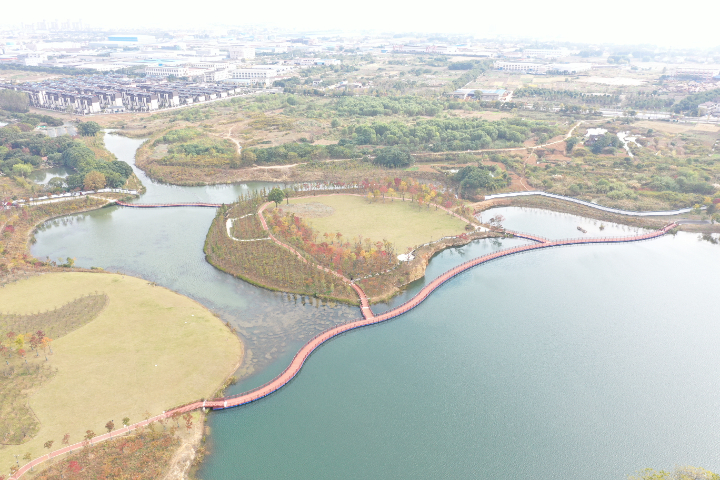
(369, 319)
(588, 204)
(167, 205)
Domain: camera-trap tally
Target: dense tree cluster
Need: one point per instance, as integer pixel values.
(81, 159)
(472, 178)
(556, 95)
(688, 182)
(13, 101)
(600, 143)
(376, 106)
(393, 157)
(690, 103)
(21, 152)
(293, 152)
(28, 148)
(434, 135)
(451, 134)
(461, 65)
(88, 129)
(30, 119)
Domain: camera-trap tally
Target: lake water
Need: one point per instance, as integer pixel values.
(43, 176)
(578, 362)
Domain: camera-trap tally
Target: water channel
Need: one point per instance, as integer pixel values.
(585, 362)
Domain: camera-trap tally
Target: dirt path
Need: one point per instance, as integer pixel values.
(228, 135)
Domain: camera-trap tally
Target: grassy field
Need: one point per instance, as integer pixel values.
(402, 223)
(148, 350)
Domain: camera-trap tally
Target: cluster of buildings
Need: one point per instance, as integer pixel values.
(689, 87)
(709, 108)
(119, 94)
(700, 72)
(240, 74)
(543, 68)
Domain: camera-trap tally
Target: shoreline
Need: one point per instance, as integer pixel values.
(358, 325)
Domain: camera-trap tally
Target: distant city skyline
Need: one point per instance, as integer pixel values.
(613, 21)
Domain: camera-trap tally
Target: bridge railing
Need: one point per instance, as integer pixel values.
(515, 233)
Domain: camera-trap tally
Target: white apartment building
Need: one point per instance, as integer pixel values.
(254, 75)
(522, 67)
(216, 75)
(237, 53)
(166, 71)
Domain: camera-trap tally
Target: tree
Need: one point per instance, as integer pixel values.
(57, 183)
(247, 156)
(48, 444)
(22, 169)
(126, 421)
(88, 129)
(73, 156)
(13, 101)
(335, 123)
(27, 456)
(393, 157)
(89, 435)
(66, 439)
(110, 426)
(276, 195)
(570, 144)
(94, 180)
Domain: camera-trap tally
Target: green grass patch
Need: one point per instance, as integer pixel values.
(148, 350)
(405, 224)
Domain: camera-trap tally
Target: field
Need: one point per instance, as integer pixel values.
(402, 223)
(147, 350)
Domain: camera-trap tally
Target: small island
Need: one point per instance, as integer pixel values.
(378, 235)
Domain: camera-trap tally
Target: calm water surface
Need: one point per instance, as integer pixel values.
(587, 362)
(579, 362)
(43, 176)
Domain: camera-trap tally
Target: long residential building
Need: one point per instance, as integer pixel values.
(117, 94)
(167, 70)
(523, 67)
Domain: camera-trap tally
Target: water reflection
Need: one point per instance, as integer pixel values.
(43, 176)
(165, 246)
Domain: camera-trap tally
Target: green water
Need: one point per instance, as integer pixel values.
(579, 362)
(166, 246)
(583, 362)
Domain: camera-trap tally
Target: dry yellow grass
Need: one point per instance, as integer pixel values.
(149, 349)
(402, 223)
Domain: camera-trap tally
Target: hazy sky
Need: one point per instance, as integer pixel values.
(617, 21)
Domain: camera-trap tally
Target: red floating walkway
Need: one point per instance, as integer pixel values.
(167, 205)
(370, 319)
